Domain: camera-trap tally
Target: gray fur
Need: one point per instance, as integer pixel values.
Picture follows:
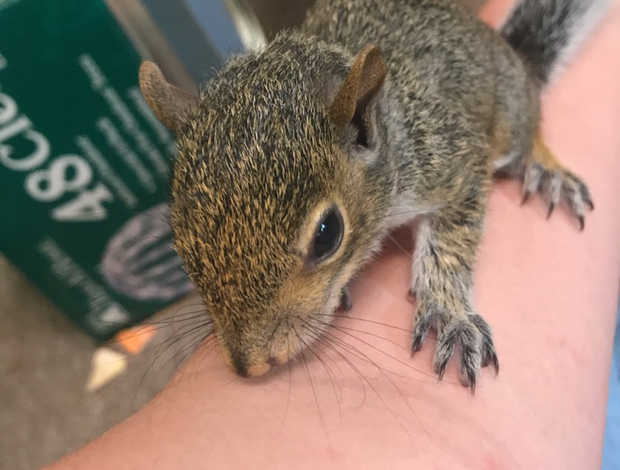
(546, 32)
(260, 156)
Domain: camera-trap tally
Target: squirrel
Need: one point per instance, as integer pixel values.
(296, 161)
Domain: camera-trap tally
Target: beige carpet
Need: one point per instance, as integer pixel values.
(45, 410)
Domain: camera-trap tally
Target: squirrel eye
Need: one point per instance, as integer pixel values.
(328, 235)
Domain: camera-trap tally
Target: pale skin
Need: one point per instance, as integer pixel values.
(549, 291)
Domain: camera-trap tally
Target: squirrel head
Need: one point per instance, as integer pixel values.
(280, 190)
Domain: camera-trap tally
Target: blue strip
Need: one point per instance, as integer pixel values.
(216, 22)
(611, 452)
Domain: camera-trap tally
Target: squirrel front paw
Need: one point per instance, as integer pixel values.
(555, 185)
(470, 332)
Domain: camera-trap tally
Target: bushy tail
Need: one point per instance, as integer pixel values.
(547, 32)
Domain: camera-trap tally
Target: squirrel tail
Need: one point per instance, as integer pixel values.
(547, 32)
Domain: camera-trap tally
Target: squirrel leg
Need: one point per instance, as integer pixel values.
(442, 284)
(541, 172)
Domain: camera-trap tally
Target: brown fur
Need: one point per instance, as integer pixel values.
(169, 103)
(318, 119)
(365, 78)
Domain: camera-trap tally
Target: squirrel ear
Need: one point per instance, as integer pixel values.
(362, 84)
(169, 103)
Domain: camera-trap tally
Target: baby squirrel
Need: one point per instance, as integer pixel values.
(295, 162)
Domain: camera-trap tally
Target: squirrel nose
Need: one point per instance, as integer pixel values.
(239, 363)
(262, 367)
(258, 369)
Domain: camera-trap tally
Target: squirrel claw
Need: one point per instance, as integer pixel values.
(411, 296)
(345, 299)
(421, 330)
(491, 359)
(585, 196)
(557, 185)
(582, 223)
(471, 333)
(526, 196)
(489, 354)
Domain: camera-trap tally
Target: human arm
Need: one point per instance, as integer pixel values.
(549, 291)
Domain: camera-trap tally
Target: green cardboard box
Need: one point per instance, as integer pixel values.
(84, 166)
